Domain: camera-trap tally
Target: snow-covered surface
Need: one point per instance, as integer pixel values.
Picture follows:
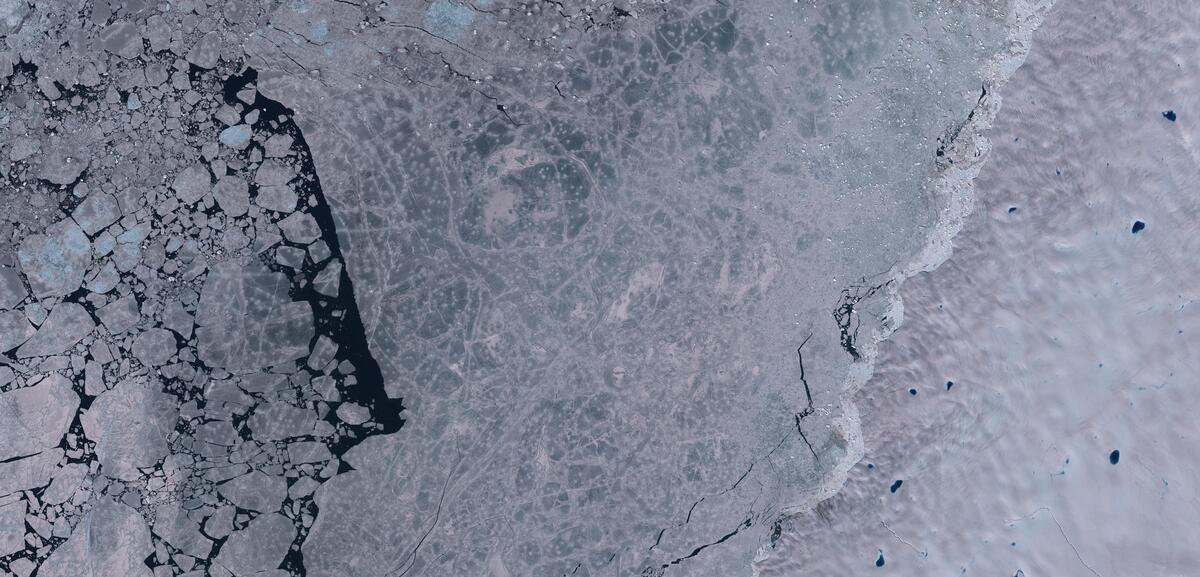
(1066, 336)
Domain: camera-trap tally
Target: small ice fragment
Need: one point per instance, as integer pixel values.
(237, 136)
(12, 290)
(192, 183)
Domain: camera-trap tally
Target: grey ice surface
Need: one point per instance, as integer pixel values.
(36, 416)
(329, 287)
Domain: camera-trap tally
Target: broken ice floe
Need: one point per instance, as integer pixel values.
(175, 338)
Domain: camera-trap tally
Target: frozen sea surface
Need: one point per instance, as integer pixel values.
(1039, 403)
(330, 288)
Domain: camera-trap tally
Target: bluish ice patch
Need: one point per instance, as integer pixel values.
(318, 30)
(133, 103)
(447, 19)
(56, 262)
(103, 245)
(128, 251)
(131, 236)
(36, 313)
(236, 136)
(105, 281)
(299, 5)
